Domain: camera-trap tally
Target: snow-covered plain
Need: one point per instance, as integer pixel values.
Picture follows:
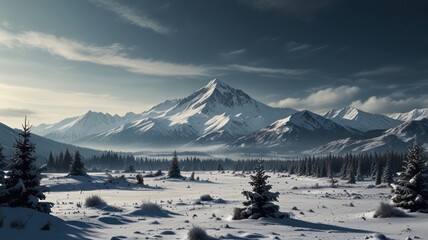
(345, 212)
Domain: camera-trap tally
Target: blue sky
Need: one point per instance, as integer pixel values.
(61, 58)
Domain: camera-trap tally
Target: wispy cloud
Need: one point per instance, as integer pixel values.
(321, 100)
(386, 70)
(300, 47)
(391, 104)
(301, 9)
(113, 55)
(15, 112)
(233, 53)
(265, 70)
(53, 105)
(132, 16)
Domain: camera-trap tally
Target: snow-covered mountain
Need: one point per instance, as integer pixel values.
(43, 145)
(301, 130)
(71, 130)
(415, 114)
(360, 120)
(216, 113)
(394, 139)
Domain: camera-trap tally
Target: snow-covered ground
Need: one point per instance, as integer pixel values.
(345, 212)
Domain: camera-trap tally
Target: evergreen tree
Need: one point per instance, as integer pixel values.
(378, 174)
(140, 179)
(387, 173)
(351, 173)
(77, 167)
(22, 186)
(174, 168)
(411, 190)
(3, 164)
(415, 162)
(68, 159)
(260, 199)
(130, 169)
(343, 170)
(192, 176)
(50, 163)
(220, 167)
(359, 171)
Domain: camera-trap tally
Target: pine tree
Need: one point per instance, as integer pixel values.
(130, 169)
(140, 179)
(22, 186)
(260, 199)
(351, 173)
(192, 176)
(68, 159)
(220, 167)
(415, 162)
(50, 163)
(411, 190)
(378, 174)
(343, 170)
(359, 171)
(387, 173)
(3, 164)
(174, 168)
(77, 167)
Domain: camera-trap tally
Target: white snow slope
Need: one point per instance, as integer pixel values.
(360, 120)
(415, 114)
(322, 212)
(215, 113)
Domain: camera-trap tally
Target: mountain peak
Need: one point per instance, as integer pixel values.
(215, 83)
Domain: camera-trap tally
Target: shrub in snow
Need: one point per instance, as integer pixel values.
(259, 200)
(411, 190)
(206, 197)
(140, 179)
(94, 201)
(192, 176)
(385, 210)
(150, 207)
(174, 168)
(46, 227)
(130, 169)
(197, 233)
(77, 167)
(22, 187)
(17, 224)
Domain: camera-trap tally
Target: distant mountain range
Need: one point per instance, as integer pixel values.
(43, 145)
(220, 117)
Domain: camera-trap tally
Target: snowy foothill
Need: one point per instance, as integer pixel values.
(316, 210)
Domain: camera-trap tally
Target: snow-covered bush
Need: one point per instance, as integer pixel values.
(197, 233)
(206, 197)
(386, 210)
(94, 201)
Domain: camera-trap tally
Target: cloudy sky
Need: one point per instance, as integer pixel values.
(63, 58)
